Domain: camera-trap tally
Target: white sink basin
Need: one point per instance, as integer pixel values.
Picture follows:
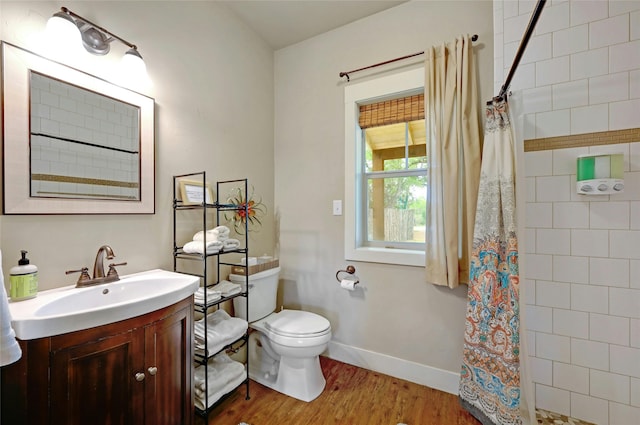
(67, 309)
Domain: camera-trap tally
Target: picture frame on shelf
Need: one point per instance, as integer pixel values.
(195, 192)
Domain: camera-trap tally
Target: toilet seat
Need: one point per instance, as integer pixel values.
(294, 328)
(297, 324)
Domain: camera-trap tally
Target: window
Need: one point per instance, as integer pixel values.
(394, 174)
(386, 170)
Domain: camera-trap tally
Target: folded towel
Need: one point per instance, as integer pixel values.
(212, 295)
(212, 235)
(227, 288)
(217, 391)
(222, 330)
(230, 244)
(197, 247)
(218, 338)
(224, 374)
(220, 365)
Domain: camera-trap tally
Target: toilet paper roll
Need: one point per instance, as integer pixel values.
(347, 284)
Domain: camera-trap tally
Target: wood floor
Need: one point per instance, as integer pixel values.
(353, 396)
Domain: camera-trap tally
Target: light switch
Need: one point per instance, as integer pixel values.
(337, 207)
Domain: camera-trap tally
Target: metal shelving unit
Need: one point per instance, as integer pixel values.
(208, 276)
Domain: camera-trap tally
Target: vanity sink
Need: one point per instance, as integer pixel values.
(70, 309)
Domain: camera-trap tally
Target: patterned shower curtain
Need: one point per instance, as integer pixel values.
(490, 377)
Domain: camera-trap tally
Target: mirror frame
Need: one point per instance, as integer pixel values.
(16, 66)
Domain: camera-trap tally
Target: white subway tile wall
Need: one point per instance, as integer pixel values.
(593, 409)
(586, 309)
(555, 399)
(580, 74)
(82, 143)
(635, 333)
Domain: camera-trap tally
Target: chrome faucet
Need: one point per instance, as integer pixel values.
(98, 266)
(105, 251)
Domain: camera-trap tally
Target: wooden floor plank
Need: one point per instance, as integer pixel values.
(352, 396)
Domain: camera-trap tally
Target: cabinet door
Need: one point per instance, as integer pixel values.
(95, 383)
(168, 363)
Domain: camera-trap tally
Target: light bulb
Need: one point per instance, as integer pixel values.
(63, 34)
(133, 71)
(133, 63)
(62, 27)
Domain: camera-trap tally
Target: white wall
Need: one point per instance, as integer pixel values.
(213, 87)
(580, 74)
(398, 323)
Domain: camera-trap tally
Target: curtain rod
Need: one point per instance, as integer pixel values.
(346, 73)
(523, 45)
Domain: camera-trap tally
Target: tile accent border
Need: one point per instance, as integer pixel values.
(545, 417)
(83, 180)
(580, 140)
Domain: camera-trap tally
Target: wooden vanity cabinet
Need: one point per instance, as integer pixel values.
(137, 371)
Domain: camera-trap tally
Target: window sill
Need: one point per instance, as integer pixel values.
(387, 256)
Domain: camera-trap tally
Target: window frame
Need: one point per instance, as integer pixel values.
(387, 87)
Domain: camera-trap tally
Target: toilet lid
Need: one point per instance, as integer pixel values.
(297, 323)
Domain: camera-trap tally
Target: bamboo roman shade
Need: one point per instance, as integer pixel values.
(393, 111)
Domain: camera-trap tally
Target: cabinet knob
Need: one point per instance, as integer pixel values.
(139, 376)
(152, 370)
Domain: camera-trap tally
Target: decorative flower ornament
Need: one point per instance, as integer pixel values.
(249, 211)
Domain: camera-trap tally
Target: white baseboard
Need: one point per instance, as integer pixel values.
(428, 376)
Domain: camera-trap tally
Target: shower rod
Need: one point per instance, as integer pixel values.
(523, 45)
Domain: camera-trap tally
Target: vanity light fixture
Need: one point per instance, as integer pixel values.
(95, 39)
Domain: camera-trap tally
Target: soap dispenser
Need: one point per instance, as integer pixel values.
(23, 279)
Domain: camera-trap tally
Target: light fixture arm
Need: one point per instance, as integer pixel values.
(77, 17)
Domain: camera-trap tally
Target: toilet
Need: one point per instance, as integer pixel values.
(285, 346)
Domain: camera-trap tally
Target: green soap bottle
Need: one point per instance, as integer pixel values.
(23, 279)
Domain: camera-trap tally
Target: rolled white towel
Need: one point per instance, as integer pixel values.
(212, 235)
(221, 230)
(230, 244)
(197, 247)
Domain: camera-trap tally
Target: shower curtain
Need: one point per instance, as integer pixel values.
(490, 380)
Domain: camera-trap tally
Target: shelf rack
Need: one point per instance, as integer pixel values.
(208, 278)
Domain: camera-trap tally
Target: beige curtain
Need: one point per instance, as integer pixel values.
(454, 140)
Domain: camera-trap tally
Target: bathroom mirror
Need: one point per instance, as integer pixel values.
(73, 143)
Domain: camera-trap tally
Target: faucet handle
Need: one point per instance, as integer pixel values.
(112, 269)
(84, 275)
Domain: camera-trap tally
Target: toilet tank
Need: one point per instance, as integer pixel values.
(263, 289)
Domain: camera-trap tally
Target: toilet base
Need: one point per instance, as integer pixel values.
(300, 378)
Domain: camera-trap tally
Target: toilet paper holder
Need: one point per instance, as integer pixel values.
(350, 270)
